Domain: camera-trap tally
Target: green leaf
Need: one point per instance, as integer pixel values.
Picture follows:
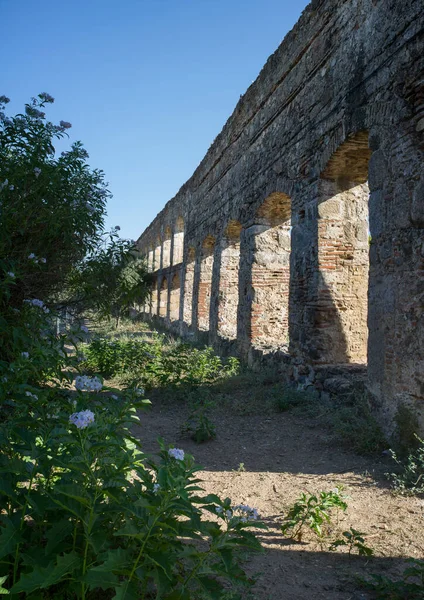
(10, 537)
(57, 534)
(3, 590)
(41, 578)
(116, 560)
(128, 590)
(72, 491)
(99, 578)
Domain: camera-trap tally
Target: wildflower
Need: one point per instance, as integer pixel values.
(139, 391)
(247, 513)
(82, 419)
(37, 171)
(30, 395)
(34, 112)
(229, 514)
(45, 97)
(32, 256)
(38, 304)
(25, 354)
(11, 188)
(176, 453)
(89, 384)
(43, 260)
(156, 488)
(11, 274)
(65, 125)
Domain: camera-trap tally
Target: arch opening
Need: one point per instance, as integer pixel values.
(205, 282)
(166, 248)
(188, 287)
(271, 245)
(178, 247)
(343, 255)
(228, 298)
(157, 254)
(174, 300)
(163, 298)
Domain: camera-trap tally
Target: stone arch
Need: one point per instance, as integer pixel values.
(151, 259)
(188, 286)
(341, 308)
(205, 282)
(174, 297)
(163, 298)
(157, 254)
(270, 246)
(166, 247)
(228, 297)
(178, 246)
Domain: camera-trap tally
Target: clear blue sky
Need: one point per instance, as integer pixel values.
(146, 84)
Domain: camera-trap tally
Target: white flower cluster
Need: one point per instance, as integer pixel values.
(25, 354)
(11, 274)
(156, 488)
(246, 512)
(35, 259)
(176, 453)
(38, 304)
(82, 419)
(139, 391)
(242, 511)
(88, 384)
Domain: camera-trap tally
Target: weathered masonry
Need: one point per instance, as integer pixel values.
(299, 239)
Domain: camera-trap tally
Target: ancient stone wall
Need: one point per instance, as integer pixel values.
(298, 241)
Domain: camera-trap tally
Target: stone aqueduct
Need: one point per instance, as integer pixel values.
(299, 239)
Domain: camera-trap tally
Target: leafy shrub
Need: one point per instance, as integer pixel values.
(410, 478)
(288, 398)
(52, 208)
(198, 424)
(84, 513)
(157, 364)
(312, 511)
(409, 587)
(353, 540)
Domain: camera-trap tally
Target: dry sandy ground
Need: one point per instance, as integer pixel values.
(282, 457)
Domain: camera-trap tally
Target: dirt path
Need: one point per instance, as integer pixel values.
(282, 457)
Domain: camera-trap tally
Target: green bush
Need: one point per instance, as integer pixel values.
(84, 511)
(156, 364)
(410, 477)
(410, 586)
